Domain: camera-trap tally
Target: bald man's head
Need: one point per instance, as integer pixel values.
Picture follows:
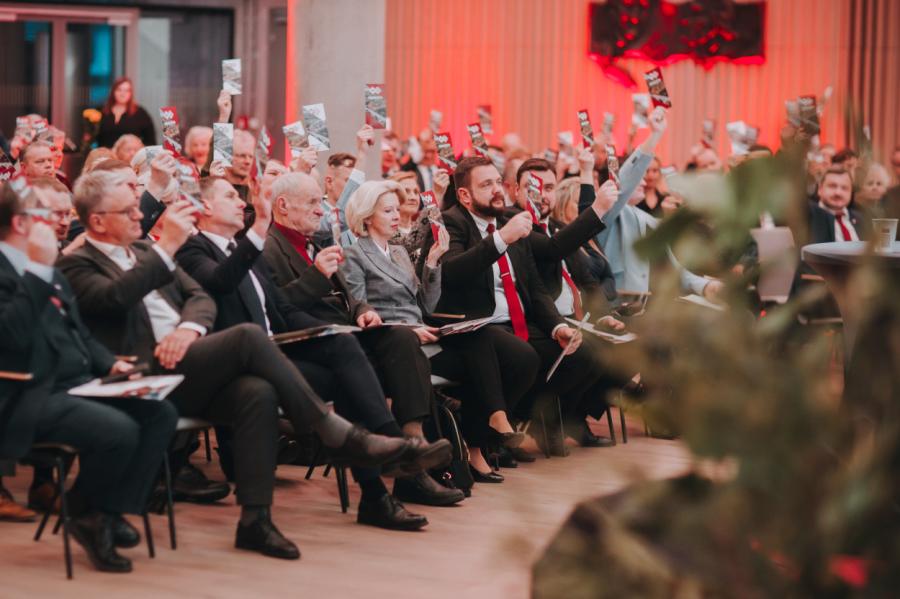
(297, 202)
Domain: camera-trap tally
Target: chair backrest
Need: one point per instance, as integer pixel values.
(778, 263)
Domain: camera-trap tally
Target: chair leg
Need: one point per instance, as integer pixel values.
(609, 422)
(148, 532)
(317, 456)
(206, 443)
(64, 513)
(546, 436)
(327, 470)
(170, 507)
(44, 519)
(562, 428)
(340, 473)
(622, 424)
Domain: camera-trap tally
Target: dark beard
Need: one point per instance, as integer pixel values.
(488, 210)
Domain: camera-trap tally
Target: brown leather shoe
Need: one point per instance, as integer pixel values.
(10, 511)
(39, 498)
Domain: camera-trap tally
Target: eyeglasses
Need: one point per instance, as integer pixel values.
(131, 210)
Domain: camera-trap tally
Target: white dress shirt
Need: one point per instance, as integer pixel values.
(845, 216)
(565, 301)
(222, 244)
(164, 318)
(501, 308)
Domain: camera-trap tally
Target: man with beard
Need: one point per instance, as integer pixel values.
(489, 270)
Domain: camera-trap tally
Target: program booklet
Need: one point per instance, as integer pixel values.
(486, 119)
(376, 107)
(445, 151)
(659, 95)
(223, 143)
(231, 76)
(314, 119)
(587, 132)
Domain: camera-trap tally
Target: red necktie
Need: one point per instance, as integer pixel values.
(844, 230)
(516, 313)
(576, 297)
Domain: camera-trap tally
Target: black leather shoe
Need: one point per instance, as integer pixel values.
(586, 438)
(505, 459)
(508, 440)
(366, 450)
(423, 489)
(419, 455)
(521, 455)
(490, 477)
(192, 485)
(125, 535)
(262, 536)
(389, 513)
(94, 532)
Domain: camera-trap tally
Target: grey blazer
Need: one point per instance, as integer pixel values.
(390, 286)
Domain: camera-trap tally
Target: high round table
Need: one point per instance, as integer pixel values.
(835, 262)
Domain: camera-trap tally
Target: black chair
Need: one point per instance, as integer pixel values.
(340, 473)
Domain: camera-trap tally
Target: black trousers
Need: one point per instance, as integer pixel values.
(339, 370)
(591, 401)
(403, 369)
(238, 377)
(496, 369)
(357, 392)
(575, 374)
(120, 443)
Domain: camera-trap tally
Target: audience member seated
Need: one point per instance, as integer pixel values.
(489, 271)
(654, 190)
(345, 173)
(126, 147)
(120, 441)
(138, 302)
(36, 160)
(382, 275)
(308, 275)
(234, 273)
(196, 145)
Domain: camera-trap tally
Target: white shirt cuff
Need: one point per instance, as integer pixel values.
(556, 328)
(193, 326)
(41, 271)
(499, 243)
(257, 241)
(170, 264)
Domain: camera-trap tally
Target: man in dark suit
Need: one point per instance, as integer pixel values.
(490, 271)
(831, 218)
(137, 301)
(120, 441)
(235, 274)
(309, 278)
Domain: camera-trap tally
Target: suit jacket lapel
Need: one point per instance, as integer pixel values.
(298, 265)
(385, 264)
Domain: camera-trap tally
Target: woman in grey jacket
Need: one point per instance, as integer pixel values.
(382, 275)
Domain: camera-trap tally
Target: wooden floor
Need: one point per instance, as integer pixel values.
(482, 548)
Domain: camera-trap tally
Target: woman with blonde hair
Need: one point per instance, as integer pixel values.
(126, 147)
(382, 275)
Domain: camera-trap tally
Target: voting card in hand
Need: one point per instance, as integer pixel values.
(376, 107)
(223, 143)
(314, 119)
(231, 76)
